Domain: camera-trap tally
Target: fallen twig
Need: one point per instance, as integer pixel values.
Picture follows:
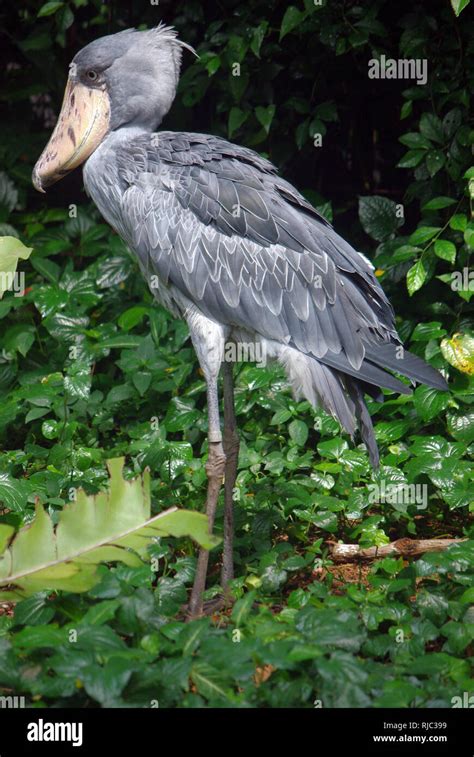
(399, 548)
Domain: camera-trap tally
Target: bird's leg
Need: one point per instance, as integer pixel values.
(215, 472)
(231, 449)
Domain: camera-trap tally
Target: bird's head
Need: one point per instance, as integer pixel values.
(124, 79)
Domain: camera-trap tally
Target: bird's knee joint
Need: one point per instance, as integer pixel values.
(216, 460)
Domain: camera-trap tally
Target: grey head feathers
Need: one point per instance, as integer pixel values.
(139, 70)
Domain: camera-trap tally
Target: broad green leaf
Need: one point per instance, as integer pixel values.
(258, 36)
(452, 121)
(445, 250)
(78, 380)
(19, 338)
(236, 118)
(11, 251)
(14, 493)
(437, 203)
(459, 5)
(142, 380)
(435, 160)
(329, 629)
(49, 8)
(423, 332)
(406, 109)
(462, 427)
(34, 611)
(423, 234)
(132, 317)
(105, 683)
(333, 448)
(459, 352)
(415, 141)
(379, 217)
(416, 277)
(292, 18)
(469, 238)
(242, 608)
(281, 416)
(209, 681)
(325, 520)
(432, 127)
(100, 613)
(430, 402)
(265, 116)
(114, 525)
(458, 222)
(411, 159)
(298, 431)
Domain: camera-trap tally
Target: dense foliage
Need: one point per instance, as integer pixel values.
(91, 369)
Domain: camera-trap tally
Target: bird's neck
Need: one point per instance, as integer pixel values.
(102, 180)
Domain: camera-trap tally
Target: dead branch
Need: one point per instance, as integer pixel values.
(400, 548)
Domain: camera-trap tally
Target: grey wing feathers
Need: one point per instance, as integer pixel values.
(220, 225)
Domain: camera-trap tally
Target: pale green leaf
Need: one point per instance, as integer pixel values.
(11, 251)
(114, 525)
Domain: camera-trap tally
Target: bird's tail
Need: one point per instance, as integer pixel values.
(340, 395)
(339, 388)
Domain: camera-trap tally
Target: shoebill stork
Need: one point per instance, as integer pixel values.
(229, 246)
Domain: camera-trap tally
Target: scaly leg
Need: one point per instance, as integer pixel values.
(215, 472)
(231, 449)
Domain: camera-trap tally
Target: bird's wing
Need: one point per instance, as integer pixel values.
(216, 221)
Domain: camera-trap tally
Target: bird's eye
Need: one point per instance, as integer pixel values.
(92, 75)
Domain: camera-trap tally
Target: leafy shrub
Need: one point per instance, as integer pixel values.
(90, 369)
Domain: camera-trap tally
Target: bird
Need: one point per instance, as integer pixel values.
(231, 247)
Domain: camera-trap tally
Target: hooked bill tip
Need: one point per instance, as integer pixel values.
(36, 180)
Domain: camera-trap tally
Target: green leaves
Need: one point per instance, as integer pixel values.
(292, 18)
(435, 161)
(430, 402)
(423, 234)
(111, 526)
(49, 8)
(459, 5)
(321, 625)
(461, 427)
(380, 217)
(431, 127)
(437, 203)
(445, 250)
(237, 117)
(459, 352)
(298, 431)
(416, 276)
(265, 116)
(11, 251)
